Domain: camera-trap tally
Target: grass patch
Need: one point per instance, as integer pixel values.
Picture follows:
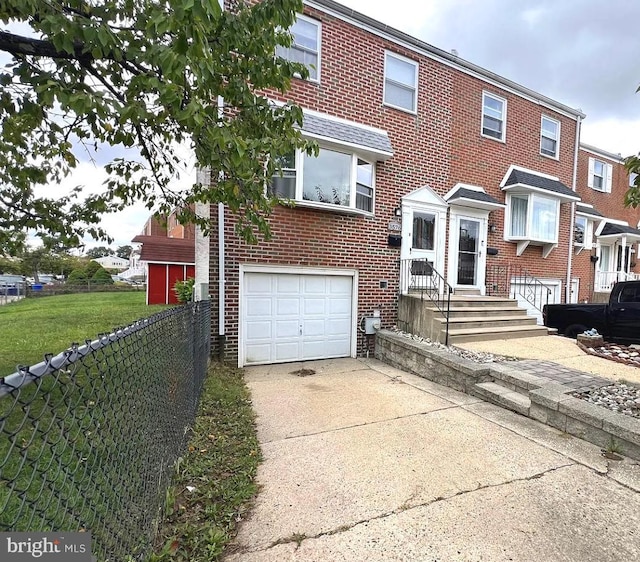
(215, 479)
(29, 328)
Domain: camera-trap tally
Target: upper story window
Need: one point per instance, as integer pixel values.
(400, 82)
(549, 137)
(600, 175)
(533, 217)
(583, 232)
(494, 115)
(305, 48)
(332, 178)
(632, 179)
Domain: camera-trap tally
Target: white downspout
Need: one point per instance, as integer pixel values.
(221, 272)
(567, 290)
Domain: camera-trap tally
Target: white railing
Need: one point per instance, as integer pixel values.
(605, 280)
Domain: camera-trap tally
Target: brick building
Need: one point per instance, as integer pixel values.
(423, 155)
(606, 233)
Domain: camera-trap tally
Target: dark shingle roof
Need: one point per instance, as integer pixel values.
(588, 211)
(377, 141)
(541, 182)
(618, 229)
(162, 249)
(464, 193)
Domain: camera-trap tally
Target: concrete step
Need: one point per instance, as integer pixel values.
(487, 311)
(501, 396)
(471, 322)
(471, 302)
(499, 333)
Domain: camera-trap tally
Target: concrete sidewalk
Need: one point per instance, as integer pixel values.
(363, 462)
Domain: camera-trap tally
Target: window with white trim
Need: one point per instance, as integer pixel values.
(333, 178)
(583, 232)
(533, 217)
(494, 110)
(632, 179)
(600, 175)
(305, 47)
(400, 82)
(549, 137)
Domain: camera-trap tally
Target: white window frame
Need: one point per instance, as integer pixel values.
(632, 179)
(283, 51)
(607, 170)
(587, 242)
(544, 118)
(416, 74)
(530, 196)
(348, 209)
(503, 138)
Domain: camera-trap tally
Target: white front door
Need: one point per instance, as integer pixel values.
(468, 244)
(424, 220)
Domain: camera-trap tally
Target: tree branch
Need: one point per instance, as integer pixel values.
(30, 46)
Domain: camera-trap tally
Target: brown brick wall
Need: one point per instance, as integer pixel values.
(611, 205)
(439, 146)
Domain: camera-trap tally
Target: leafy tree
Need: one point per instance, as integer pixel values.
(124, 252)
(632, 196)
(99, 252)
(102, 276)
(10, 266)
(77, 277)
(91, 268)
(122, 75)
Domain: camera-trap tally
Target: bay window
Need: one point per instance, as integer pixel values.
(533, 217)
(331, 179)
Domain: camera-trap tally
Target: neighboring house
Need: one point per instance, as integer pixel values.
(606, 233)
(423, 155)
(112, 262)
(165, 259)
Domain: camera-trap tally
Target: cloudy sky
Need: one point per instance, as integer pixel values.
(583, 53)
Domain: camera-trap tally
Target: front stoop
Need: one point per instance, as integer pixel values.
(471, 318)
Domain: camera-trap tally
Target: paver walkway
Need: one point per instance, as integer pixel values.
(571, 378)
(366, 463)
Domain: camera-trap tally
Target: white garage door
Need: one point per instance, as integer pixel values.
(290, 317)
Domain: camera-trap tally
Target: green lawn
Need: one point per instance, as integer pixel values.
(32, 327)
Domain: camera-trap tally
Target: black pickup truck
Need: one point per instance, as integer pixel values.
(617, 321)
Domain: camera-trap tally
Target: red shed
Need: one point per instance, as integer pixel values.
(168, 260)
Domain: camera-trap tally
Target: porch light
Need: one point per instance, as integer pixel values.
(397, 212)
(492, 227)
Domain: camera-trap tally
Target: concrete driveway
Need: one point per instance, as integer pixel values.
(363, 462)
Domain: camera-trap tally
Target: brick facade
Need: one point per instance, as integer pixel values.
(439, 146)
(610, 205)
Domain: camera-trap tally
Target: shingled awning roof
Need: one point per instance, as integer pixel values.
(473, 198)
(364, 138)
(162, 249)
(586, 210)
(614, 230)
(534, 182)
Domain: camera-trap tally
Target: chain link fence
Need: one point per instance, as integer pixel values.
(89, 438)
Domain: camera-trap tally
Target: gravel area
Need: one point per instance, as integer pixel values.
(628, 355)
(622, 398)
(476, 356)
(618, 397)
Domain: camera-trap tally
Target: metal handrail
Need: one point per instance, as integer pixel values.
(418, 276)
(509, 280)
